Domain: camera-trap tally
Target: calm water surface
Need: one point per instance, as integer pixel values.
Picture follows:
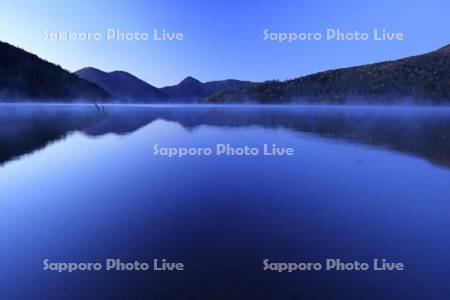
(77, 185)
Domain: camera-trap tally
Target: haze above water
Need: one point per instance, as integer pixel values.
(81, 185)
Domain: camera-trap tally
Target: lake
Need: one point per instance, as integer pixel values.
(364, 183)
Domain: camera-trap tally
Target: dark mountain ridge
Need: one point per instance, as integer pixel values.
(422, 79)
(122, 86)
(25, 76)
(191, 89)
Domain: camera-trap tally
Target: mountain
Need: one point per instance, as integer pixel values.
(191, 89)
(188, 89)
(419, 79)
(25, 76)
(122, 85)
(422, 79)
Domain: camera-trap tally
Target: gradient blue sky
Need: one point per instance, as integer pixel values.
(223, 39)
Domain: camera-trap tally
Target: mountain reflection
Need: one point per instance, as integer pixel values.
(420, 131)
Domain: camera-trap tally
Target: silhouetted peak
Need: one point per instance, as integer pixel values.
(190, 80)
(89, 70)
(123, 74)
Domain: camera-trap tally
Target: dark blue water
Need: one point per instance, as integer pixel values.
(364, 183)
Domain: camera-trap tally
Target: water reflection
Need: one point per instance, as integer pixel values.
(88, 198)
(420, 131)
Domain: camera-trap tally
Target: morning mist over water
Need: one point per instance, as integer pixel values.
(422, 131)
(224, 215)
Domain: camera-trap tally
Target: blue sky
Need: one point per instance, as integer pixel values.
(223, 39)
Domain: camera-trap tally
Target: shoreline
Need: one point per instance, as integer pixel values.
(233, 105)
